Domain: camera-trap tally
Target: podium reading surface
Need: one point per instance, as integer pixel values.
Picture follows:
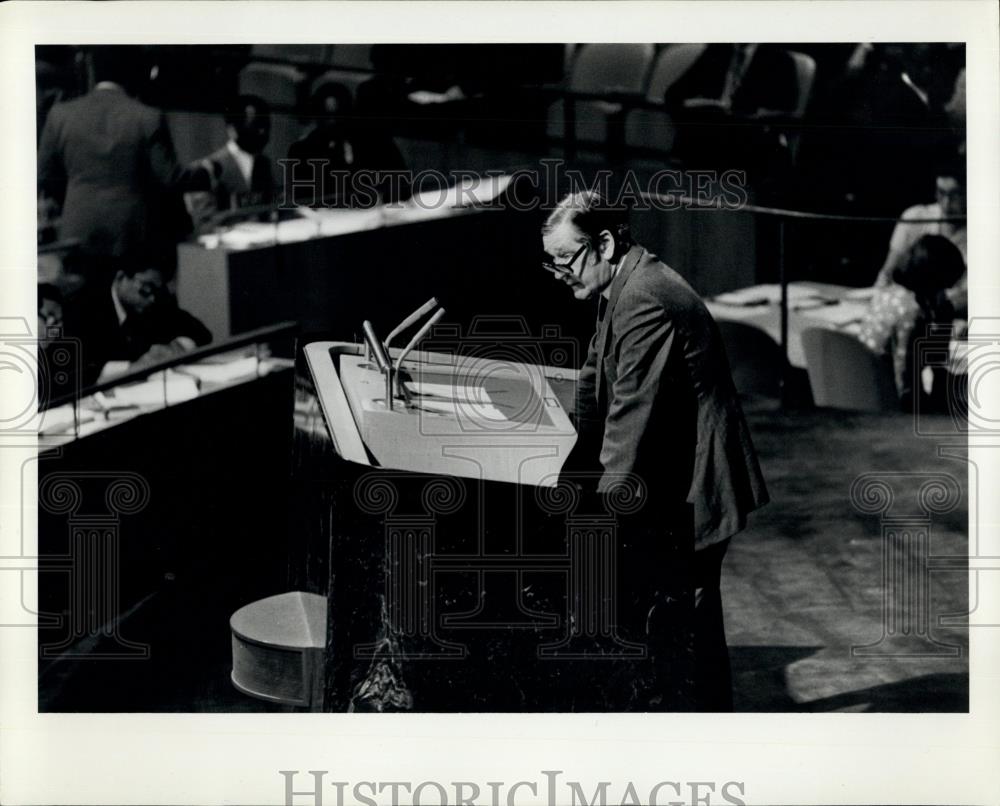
(462, 416)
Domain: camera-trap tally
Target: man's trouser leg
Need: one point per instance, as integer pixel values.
(713, 675)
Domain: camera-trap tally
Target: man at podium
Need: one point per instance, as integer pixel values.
(656, 402)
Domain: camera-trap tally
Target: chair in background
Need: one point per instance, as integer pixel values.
(653, 128)
(350, 67)
(351, 57)
(844, 374)
(295, 54)
(755, 359)
(618, 68)
(805, 75)
(285, 88)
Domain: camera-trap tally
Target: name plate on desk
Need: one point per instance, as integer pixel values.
(462, 416)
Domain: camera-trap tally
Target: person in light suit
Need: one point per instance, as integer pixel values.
(656, 403)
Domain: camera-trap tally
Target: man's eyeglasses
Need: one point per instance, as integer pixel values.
(562, 269)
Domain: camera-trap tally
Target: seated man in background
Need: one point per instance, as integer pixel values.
(242, 174)
(919, 220)
(136, 319)
(918, 294)
(341, 145)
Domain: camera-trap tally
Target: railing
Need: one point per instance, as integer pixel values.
(258, 336)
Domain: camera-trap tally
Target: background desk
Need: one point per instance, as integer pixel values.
(844, 315)
(330, 271)
(151, 532)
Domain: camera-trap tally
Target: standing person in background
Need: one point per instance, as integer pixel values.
(108, 161)
(241, 172)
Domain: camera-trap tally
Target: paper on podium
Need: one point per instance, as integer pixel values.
(470, 401)
(508, 427)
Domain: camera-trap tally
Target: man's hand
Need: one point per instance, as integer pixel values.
(155, 354)
(164, 352)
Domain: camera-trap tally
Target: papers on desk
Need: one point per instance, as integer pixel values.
(438, 203)
(837, 315)
(311, 224)
(323, 222)
(159, 389)
(769, 294)
(221, 369)
(61, 420)
(860, 294)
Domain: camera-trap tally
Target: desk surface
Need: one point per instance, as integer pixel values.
(823, 305)
(473, 194)
(96, 413)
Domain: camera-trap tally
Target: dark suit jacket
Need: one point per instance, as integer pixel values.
(92, 319)
(232, 190)
(110, 161)
(656, 392)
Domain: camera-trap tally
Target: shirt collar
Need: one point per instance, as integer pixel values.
(606, 293)
(119, 309)
(243, 160)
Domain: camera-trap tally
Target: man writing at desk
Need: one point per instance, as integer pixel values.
(135, 320)
(655, 399)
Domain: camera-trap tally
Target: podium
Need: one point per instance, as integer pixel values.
(493, 574)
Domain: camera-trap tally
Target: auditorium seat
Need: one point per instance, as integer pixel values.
(844, 374)
(298, 54)
(613, 68)
(348, 79)
(351, 57)
(755, 359)
(805, 74)
(286, 89)
(653, 128)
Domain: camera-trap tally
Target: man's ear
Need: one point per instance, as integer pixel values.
(607, 244)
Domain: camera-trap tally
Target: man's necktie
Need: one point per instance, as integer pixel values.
(260, 178)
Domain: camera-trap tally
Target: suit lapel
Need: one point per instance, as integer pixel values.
(632, 259)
